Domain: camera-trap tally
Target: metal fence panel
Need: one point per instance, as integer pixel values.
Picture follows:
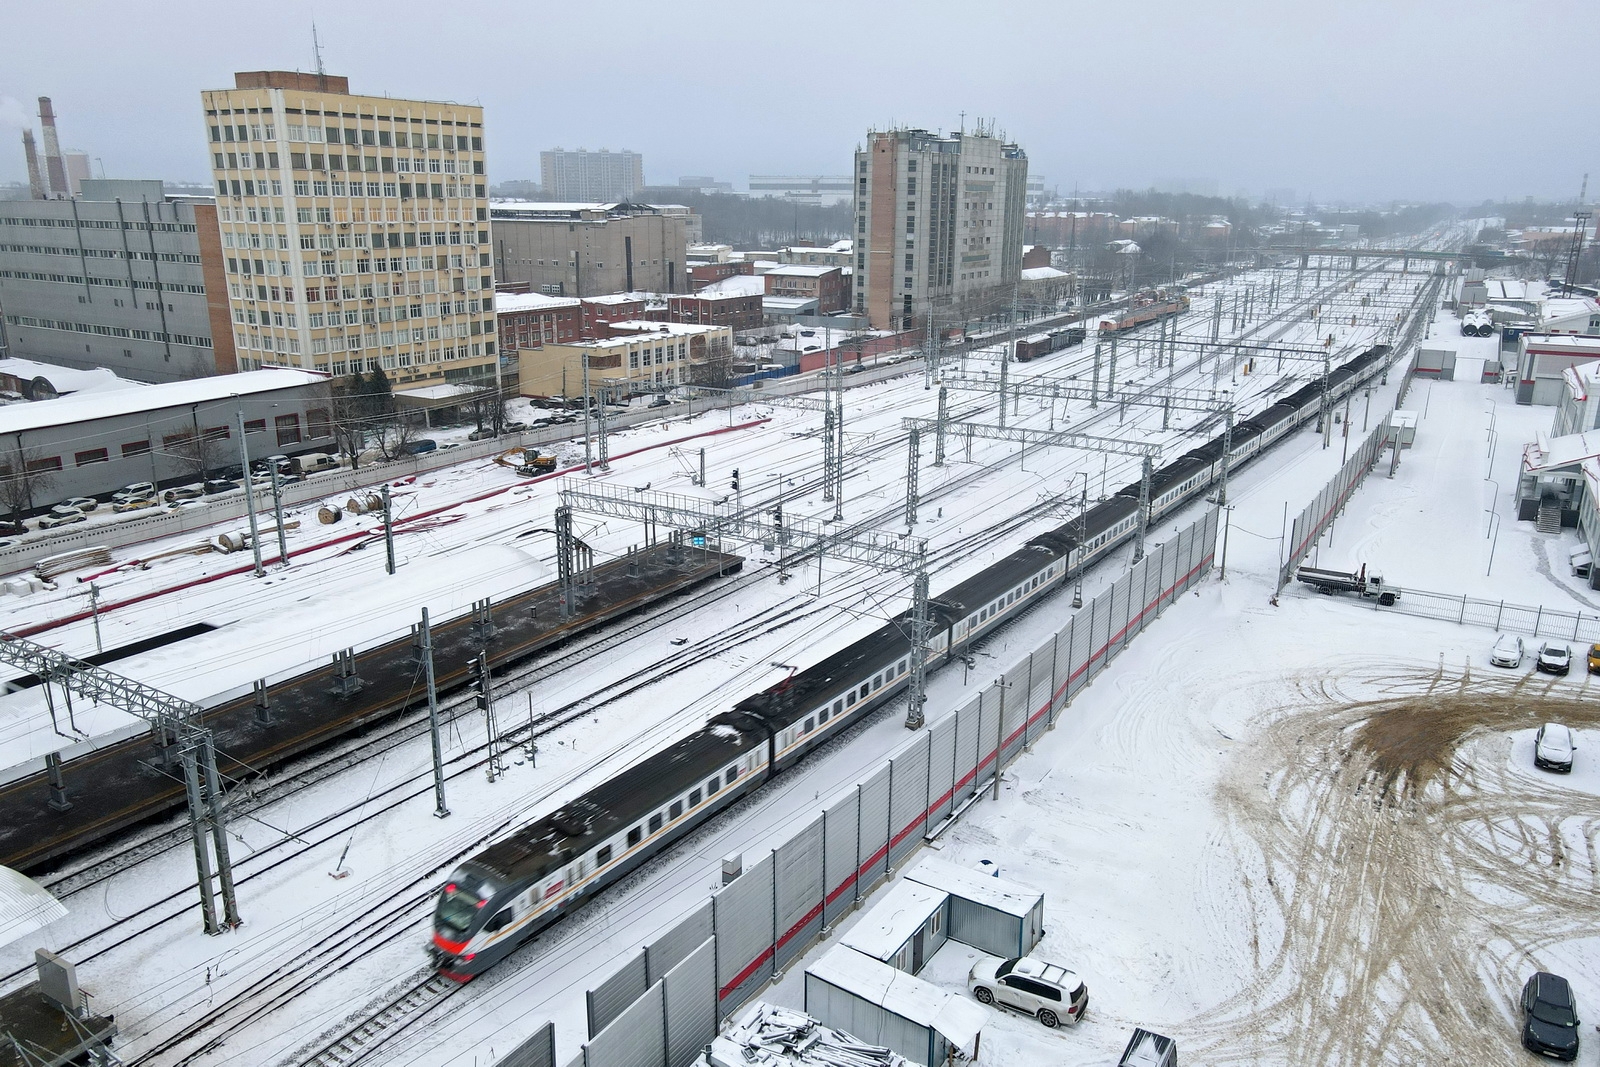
(743, 928)
(1321, 512)
(1119, 614)
(969, 749)
(872, 861)
(798, 892)
(1080, 650)
(1173, 576)
(538, 1050)
(636, 1038)
(689, 997)
(1541, 623)
(841, 824)
(611, 997)
(908, 801)
(672, 947)
(941, 769)
(1039, 687)
(1014, 702)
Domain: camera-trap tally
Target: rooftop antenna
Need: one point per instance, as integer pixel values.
(316, 50)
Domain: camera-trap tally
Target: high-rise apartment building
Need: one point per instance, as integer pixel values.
(939, 224)
(591, 177)
(354, 229)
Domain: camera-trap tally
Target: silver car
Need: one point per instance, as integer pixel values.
(1553, 747)
(1052, 994)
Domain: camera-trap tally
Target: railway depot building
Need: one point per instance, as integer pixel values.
(91, 444)
(640, 357)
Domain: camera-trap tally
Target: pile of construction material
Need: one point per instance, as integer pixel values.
(77, 559)
(770, 1036)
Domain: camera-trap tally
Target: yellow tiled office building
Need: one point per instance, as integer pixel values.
(354, 229)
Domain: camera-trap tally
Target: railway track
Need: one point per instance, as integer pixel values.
(370, 1031)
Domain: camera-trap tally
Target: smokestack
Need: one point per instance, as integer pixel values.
(35, 179)
(55, 168)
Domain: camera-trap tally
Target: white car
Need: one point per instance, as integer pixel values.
(84, 504)
(1052, 994)
(61, 516)
(136, 491)
(1553, 747)
(1507, 652)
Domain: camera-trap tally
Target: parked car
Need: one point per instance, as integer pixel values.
(660, 402)
(11, 529)
(480, 435)
(514, 427)
(136, 503)
(8, 542)
(183, 492)
(1554, 659)
(1549, 1017)
(60, 516)
(1553, 747)
(1050, 993)
(219, 485)
(1507, 651)
(421, 445)
(84, 504)
(136, 491)
(1594, 659)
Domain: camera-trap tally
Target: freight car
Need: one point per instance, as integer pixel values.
(1043, 344)
(1143, 310)
(516, 887)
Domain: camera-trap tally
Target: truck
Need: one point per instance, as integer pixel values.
(1369, 585)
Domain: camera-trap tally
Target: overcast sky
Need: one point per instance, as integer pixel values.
(1410, 99)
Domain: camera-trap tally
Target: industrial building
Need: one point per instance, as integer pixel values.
(116, 278)
(93, 443)
(587, 249)
(639, 358)
(354, 229)
(939, 224)
(583, 175)
(818, 190)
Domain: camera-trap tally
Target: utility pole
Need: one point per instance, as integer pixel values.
(440, 811)
(249, 490)
(588, 456)
(277, 511)
(388, 529)
(497, 765)
(915, 439)
(94, 610)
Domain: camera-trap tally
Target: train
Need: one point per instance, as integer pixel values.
(1043, 344)
(1145, 309)
(516, 887)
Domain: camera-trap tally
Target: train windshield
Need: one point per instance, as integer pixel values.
(463, 897)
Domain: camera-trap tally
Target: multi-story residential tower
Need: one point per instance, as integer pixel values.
(354, 229)
(939, 223)
(587, 177)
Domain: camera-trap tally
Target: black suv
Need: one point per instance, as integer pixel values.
(1549, 1017)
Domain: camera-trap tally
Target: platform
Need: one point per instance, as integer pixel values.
(130, 782)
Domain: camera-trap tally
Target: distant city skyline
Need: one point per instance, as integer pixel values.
(1360, 103)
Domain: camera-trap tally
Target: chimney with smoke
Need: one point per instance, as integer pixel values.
(55, 167)
(36, 187)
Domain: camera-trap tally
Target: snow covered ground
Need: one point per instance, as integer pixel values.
(1162, 818)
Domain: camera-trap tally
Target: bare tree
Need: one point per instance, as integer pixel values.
(714, 368)
(25, 475)
(201, 453)
(350, 418)
(394, 440)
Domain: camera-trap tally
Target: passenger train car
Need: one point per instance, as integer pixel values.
(518, 886)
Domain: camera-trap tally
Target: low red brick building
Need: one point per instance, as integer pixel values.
(737, 311)
(825, 285)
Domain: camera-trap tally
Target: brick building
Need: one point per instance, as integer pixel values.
(737, 311)
(825, 285)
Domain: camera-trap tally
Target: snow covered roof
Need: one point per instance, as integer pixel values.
(770, 1036)
(1043, 274)
(1547, 453)
(617, 298)
(25, 906)
(1506, 289)
(788, 303)
(802, 270)
(738, 285)
(508, 302)
(958, 1019)
(672, 329)
(67, 379)
(1008, 897)
(81, 407)
(894, 918)
(1567, 344)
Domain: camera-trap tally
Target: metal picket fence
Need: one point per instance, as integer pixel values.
(1535, 620)
(663, 1005)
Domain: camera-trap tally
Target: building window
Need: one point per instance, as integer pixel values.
(288, 427)
(93, 455)
(135, 448)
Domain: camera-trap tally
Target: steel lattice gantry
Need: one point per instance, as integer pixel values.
(797, 536)
(1148, 453)
(176, 724)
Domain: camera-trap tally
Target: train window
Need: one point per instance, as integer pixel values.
(603, 856)
(655, 822)
(733, 772)
(635, 836)
(499, 921)
(694, 798)
(822, 716)
(864, 691)
(902, 666)
(677, 809)
(712, 785)
(811, 724)
(838, 706)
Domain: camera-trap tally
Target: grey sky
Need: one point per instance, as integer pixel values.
(1399, 99)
